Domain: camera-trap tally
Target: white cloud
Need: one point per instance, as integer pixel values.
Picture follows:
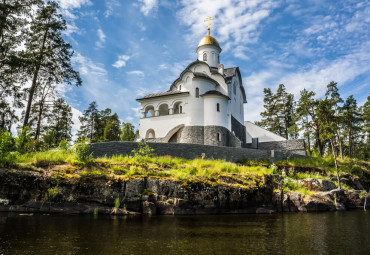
(87, 67)
(102, 37)
(121, 62)
(147, 6)
(342, 70)
(111, 5)
(235, 22)
(136, 72)
(71, 4)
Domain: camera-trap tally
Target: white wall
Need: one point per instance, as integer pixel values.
(212, 54)
(211, 116)
(162, 124)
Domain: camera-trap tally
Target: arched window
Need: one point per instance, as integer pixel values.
(204, 56)
(150, 134)
(219, 137)
(180, 110)
(180, 87)
(163, 110)
(149, 111)
(177, 108)
(197, 92)
(218, 107)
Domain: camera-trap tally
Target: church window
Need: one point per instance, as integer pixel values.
(163, 110)
(218, 107)
(180, 87)
(150, 134)
(219, 137)
(204, 56)
(180, 110)
(197, 92)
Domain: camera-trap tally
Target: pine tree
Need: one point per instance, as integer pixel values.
(270, 118)
(48, 53)
(111, 130)
(60, 121)
(14, 15)
(352, 121)
(89, 122)
(328, 128)
(306, 113)
(332, 94)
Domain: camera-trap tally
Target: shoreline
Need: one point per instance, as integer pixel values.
(27, 191)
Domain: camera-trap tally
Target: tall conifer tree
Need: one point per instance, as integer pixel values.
(49, 54)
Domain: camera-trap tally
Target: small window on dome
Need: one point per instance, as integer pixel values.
(218, 107)
(204, 56)
(219, 137)
(197, 92)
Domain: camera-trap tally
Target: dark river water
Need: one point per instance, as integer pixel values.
(291, 233)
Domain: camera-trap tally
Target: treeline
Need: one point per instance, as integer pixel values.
(329, 125)
(103, 126)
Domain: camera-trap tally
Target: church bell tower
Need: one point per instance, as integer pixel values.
(208, 49)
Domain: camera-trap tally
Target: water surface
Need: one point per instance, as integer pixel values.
(292, 233)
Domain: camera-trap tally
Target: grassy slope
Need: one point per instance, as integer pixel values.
(248, 174)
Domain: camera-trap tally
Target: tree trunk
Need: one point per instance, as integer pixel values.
(338, 134)
(335, 162)
(34, 80)
(350, 142)
(41, 109)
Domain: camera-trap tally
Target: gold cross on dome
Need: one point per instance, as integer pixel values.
(208, 19)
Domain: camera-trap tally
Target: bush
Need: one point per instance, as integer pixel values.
(143, 150)
(24, 143)
(64, 145)
(82, 148)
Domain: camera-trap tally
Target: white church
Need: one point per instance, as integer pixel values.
(204, 105)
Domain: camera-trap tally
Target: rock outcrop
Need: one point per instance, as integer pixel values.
(29, 191)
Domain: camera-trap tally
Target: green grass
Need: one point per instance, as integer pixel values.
(64, 164)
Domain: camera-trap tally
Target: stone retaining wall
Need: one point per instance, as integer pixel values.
(189, 151)
(296, 146)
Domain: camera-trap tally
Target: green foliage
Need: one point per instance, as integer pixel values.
(6, 143)
(117, 203)
(24, 143)
(148, 192)
(127, 132)
(64, 145)
(82, 149)
(143, 150)
(357, 170)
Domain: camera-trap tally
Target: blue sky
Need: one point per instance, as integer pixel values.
(125, 49)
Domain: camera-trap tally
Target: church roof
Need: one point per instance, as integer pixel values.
(215, 92)
(203, 75)
(209, 40)
(167, 93)
(229, 73)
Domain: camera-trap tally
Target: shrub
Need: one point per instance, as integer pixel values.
(143, 150)
(82, 149)
(24, 143)
(64, 145)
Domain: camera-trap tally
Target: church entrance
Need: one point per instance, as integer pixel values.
(174, 138)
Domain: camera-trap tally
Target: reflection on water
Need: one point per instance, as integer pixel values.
(294, 233)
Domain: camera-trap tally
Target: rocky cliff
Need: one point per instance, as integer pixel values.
(30, 191)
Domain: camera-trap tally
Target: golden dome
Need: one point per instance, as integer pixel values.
(209, 40)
